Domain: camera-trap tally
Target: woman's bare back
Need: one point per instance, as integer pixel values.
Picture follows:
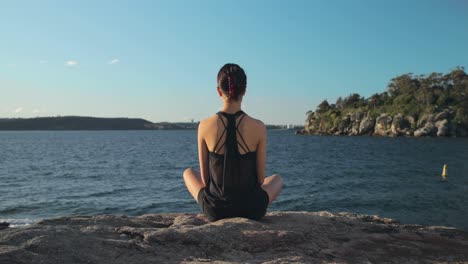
(250, 130)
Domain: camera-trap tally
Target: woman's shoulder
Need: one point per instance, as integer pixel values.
(256, 123)
(212, 122)
(209, 119)
(208, 122)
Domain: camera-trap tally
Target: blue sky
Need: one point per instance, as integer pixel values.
(159, 59)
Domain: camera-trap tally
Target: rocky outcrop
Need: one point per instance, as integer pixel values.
(4, 225)
(358, 123)
(400, 126)
(280, 237)
(367, 125)
(344, 126)
(355, 119)
(445, 114)
(429, 129)
(383, 125)
(434, 125)
(427, 118)
(442, 127)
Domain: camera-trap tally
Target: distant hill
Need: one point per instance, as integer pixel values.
(74, 123)
(88, 123)
(96, 123)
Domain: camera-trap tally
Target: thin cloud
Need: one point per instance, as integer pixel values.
(114, 61)
(11, 65)
(43, 62)
(71, 63)
(39, 111)
(18, 110)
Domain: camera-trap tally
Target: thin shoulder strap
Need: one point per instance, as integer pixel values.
(216, 149)
(244, 147)
(240, 120)
(230, 118)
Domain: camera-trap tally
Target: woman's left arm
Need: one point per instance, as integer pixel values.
(261, 153)
(202, 153)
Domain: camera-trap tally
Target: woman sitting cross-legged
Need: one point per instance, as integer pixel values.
(232, 155)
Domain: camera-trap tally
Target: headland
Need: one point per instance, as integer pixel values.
(413, 105)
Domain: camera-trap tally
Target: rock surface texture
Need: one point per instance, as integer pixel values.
(280, 237)
(441, 124)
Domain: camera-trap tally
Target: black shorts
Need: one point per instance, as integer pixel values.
(254, 207)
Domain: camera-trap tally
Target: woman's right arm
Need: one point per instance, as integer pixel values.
(202, 153)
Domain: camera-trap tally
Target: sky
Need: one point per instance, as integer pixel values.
(158, 60)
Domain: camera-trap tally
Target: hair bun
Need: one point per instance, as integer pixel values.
(232, 81)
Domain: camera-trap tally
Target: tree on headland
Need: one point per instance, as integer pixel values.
(339, 103)
(375, 100)
(323, 107)
(353, 100)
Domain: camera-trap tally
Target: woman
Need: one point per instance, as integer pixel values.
(232, 155)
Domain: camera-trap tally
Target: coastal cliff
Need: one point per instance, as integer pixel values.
(439, 124)
(280, 237)
(433, 105)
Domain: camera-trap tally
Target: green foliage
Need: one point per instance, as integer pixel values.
(353, 101)
(461, 116)
(403, 99)
(323, 107)
(407, 94)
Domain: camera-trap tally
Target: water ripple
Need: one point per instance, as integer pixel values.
(138, 172)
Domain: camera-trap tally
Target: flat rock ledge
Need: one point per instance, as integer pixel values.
(280, 237)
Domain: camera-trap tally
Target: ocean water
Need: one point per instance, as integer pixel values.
(47, 174)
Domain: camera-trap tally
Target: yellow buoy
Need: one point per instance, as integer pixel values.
(444, 171)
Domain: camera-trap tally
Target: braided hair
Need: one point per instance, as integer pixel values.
(232, 81)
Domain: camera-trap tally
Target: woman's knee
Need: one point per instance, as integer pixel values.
(278, 179)
(278, 176)
(188, 172)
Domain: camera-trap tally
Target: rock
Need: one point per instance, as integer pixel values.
(4, 225)
(411, 121)
(356, 116)
(445, 114)
(383, 125)
(355, 119)
(408, 132)
(400, 125)
(427, 118)
(428, 130)
(367, 125)
(311, 126)
(360, 123)
(333, 130)
(343, 127)
(300, 132)
(280, 237)
(307, 125)
(442, 128)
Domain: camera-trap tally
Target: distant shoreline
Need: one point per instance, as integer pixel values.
(62, 123)
(83, 123)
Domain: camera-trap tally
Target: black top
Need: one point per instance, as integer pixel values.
(232, 176)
